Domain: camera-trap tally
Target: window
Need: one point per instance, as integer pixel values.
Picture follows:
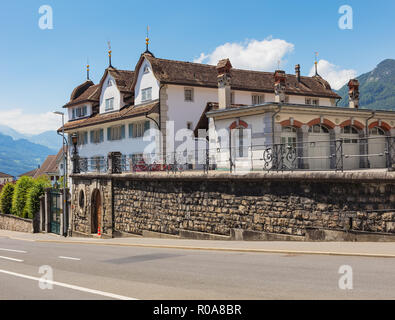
(377, 131)
(109, 104)
(318, 128)
(146, 69)
(316, 102)
(308, 101)
(258, 99)
(137, 130)
(189, 125)
(188, 94)
(240, 132)
(349, 130)
(289, 129)
(82, 138)
(97, 136)
(81, 200)
(109, 83)
(146, 94)
(115, 133)
(232, 98)
(80, 112)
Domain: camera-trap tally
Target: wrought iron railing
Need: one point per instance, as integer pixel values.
(338, 155)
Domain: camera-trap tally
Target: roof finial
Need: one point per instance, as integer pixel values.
(147, 40)
(87, 69)
(316, 64)
(109, 53)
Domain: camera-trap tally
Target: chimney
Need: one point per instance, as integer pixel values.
(279, 86)
(353, 93)
(224, 81)
(297, 72)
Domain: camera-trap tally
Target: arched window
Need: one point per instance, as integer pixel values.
(241, 134)
(318, 128)
(377, 131)
(349, 134)
(289, 129)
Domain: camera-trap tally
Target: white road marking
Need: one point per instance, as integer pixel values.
(69, 258)
(12, 259)
(10, 250)
(70, 286)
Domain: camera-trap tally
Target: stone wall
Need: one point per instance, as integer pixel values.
(13, 223)
(274, 203)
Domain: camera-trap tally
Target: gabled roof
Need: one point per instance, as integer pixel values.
(48, 167)
(124, 113)
(196, 74)
(5, 175)
(29, 173)
(88, 92)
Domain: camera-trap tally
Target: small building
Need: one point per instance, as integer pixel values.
(5, 178)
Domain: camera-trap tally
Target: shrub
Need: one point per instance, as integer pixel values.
(6, 198)
(33, 195)
(19, 198)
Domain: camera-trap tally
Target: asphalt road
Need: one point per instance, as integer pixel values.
(84, 271)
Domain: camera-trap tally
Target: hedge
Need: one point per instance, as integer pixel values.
(33, 195)
(19, 198)
(6, 198)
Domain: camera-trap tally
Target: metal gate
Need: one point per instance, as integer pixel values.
(56, 211)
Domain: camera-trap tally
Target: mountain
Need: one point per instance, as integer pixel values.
(376, 88)
(20, 156)
(49, 139)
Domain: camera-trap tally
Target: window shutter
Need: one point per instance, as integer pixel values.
(92, 133)
(101, 135)
(123, 132)
(131, 130)
(109, 134)
(146, 126)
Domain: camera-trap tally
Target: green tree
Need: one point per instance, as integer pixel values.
(6, 198)
(33, 195)
(19, 197)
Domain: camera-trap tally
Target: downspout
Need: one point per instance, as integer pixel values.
(338, 100)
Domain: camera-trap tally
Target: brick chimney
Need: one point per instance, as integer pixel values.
(297, 72)
(279, 86)
(224, 83)
(353, 93)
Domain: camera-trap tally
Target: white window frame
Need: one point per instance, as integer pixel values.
(146, 94)
(109, 101)
(116, 133)
(257, 99)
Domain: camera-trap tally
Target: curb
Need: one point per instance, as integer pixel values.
(278, 251)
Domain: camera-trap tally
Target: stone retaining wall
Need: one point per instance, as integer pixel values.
(13, 223)
(274, 203)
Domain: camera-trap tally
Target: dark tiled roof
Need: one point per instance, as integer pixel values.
(188, 73)
(5, 175)
(125, 113)
(91, 94)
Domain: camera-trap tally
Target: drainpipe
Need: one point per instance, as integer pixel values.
(367, 136)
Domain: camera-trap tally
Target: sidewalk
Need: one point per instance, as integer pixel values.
(363, 249)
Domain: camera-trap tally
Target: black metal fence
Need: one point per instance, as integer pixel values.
(339, 155)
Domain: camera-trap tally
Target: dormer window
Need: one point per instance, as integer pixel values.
(80, 112)
(146, 94)
(109, 104)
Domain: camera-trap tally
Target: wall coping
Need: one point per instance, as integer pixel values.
(15, 217)
(346, 176)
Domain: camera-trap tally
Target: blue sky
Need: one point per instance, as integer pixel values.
(41, 67)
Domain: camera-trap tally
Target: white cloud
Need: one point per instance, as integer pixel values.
(335, 75)
(29, 123)
(252, 54)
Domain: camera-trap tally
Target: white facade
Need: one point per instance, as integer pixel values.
(110, 91)
(146, 80)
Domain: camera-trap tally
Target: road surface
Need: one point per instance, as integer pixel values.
(86, 271)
